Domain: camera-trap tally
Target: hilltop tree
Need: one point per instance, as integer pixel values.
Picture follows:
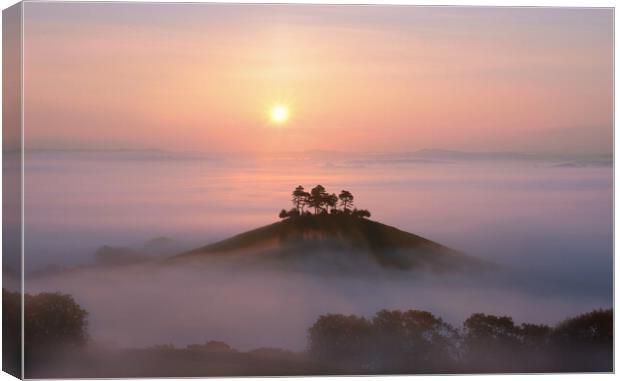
(322, 202)
(300, 198)
(290, 214)
(361, 213)
(331, 201)
(346, 200)
(317, 199)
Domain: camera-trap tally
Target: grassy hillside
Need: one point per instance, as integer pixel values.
(335, 236)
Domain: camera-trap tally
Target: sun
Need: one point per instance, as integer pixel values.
(279, 114)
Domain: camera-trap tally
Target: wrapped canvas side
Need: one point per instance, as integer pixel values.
(12, 160)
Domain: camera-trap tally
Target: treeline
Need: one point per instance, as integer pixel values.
(419, 342)
(319, 201)
(391, 342)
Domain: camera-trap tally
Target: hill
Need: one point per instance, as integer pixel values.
(340, 241)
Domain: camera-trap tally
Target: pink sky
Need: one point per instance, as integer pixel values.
(203, 77)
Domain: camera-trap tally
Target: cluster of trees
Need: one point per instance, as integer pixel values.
(319, 201)
(419, 342)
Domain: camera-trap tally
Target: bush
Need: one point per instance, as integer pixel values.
(53, 319)
(411, 341)
(341, 339)
(584, 343)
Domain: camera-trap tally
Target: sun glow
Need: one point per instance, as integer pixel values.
(279, 114)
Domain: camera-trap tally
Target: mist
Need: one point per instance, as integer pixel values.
(250, 306)
(547, 225)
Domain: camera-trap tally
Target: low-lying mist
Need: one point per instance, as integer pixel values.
(249, 307)
(546, 224)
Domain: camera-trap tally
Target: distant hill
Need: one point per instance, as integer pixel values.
(342, 242)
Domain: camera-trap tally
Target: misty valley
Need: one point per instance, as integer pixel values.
(343, 280)
(390, 342)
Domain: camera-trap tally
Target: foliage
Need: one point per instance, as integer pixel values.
(361, 213)
(322, 202)
(346, 200)
(591, 329)
(489, 331)
(419, 342)
(413, 334)
(300, 198)
(341, 338)
(53, 319)
(412, 341)
(53, 323)
(290, 214)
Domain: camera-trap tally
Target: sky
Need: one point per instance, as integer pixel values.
(204, 77)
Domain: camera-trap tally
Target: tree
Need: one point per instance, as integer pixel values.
(290, 214)
(361, 213)
(534, 336)
(413, 341)
(331, 201)
(418, 342)
(488, 330)
(300, 198)
(346, 200)
(341, 339)
(594, 328)
(492, 343)
(321, 202)
(53, 319)
(393, 341)
(585, 343)
(317, 198)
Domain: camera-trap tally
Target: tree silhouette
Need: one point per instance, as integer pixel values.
(491, 342)
(361, 213)
(52, 319)
(487, 331)
(413, 340)
(534, 336)
(341, 339)
(331, 201)
(290, 214)
(346, 200)
(418, 342)
(593, 328)
(300, 198)
(585, 342)
(317, 198)
(322, 202)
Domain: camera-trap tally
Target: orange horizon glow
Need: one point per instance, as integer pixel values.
(200, 77)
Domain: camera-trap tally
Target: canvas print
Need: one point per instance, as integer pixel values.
(287, 189)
